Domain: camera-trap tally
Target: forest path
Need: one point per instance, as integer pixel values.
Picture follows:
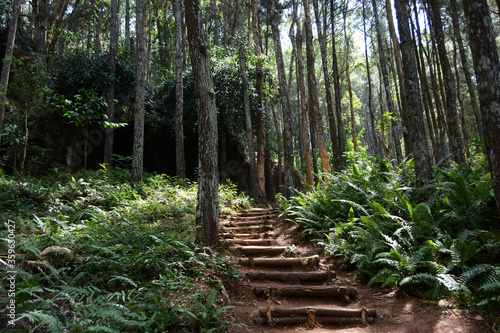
(288, 283)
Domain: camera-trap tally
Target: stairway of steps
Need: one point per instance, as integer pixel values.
(298, 290)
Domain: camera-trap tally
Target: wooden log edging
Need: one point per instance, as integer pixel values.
(307, 262)
(320, 311)
(343, 293)
(251, 250)
(228, 235)
(313, 316)
(291, 276)
(259, 242)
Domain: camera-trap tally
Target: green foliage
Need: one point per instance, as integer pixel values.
(435, 241)
(136, 265)
(79, 70)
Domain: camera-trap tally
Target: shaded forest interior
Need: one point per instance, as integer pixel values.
(375, 125)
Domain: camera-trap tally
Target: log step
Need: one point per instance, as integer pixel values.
(257, 228)
(249, 218)
(259, 249)
(261, 242)
(246, 223)
(309, 262)
(297, 320)
(244, 236)
(320, 311)
(291, 277)
(343, 293)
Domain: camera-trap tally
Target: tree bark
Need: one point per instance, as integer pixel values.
(261, 115)
(127, 25)
(465, 67)
(7, 60)
(207, 207)
(113, 51)
(304, 109)
(328, 86)
(399, 65)
(140, 90)
(417, 129)
(368, 77)
(285, 104)
(387, 85)
(313, 90)
(454, 133)
(487, 68)
(98, 7)
(246, 102)
(180, 160)
(342, 161)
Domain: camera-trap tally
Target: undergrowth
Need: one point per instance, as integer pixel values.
(435, 240)
(118, 257)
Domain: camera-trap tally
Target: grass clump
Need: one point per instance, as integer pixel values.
(118, 257)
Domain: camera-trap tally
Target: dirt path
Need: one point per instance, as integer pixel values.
(290, 284)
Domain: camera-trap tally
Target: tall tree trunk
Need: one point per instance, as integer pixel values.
(420, 149)
(399, 66)
(348, 81)
(487, 68)
(387, 85)
(261, 115)
(98, 7)
(454, 133)
(180, 160)
(465, 67)
(246, 102)
(113, 51)
(42, 17)
(127, 25)
(342, 161)
(285, 103)
(304, 108)
(313, 90)
(278, 142)
(215, 17)
(368, 77)
(140, 90)
(7, 60)
(207, 207)
(328, 86)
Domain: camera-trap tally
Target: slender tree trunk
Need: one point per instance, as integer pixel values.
(278, 142)
(304, 109)
(342, 162)
(207, 208)
(140, 90)
(246, 102)
(348, 81)
(110, 113)
(313, 90)
(7, 60)
(98, 7)
(180, 161)
(487, 68)
(368, 77)
(261, 115)
(328, 87)
(127, 25)
(285, 103)
(399, 66)
(417, 130)
(454, 133)
(465, 67)
(387, 85)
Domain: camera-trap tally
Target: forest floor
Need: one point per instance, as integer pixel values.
(396, 311)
